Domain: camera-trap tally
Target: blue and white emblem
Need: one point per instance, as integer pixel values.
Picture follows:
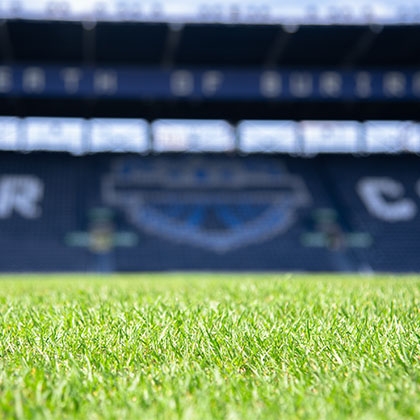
(218, 204)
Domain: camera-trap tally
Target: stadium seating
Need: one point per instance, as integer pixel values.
(206, 212)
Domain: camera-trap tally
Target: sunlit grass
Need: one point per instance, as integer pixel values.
(209, 347)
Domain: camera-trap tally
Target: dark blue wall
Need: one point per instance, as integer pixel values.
(198, 212)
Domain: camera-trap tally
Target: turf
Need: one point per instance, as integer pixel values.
(209, 347)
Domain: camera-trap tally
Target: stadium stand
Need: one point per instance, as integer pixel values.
(212, 199)
(211, 212)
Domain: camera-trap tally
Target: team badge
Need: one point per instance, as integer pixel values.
(219, 204)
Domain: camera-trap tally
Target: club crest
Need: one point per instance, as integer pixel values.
(219, 204)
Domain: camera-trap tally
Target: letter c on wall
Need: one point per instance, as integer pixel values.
(384, 199)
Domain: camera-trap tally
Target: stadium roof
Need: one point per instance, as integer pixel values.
(209, 44)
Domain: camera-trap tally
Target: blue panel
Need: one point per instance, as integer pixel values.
(200, 84)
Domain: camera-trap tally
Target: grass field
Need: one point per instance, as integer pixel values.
(187, 346)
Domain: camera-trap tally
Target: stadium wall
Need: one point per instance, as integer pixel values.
(127, 212)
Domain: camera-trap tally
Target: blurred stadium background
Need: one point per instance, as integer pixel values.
(140, 135)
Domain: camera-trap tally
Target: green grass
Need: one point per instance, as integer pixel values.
(209, 347)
